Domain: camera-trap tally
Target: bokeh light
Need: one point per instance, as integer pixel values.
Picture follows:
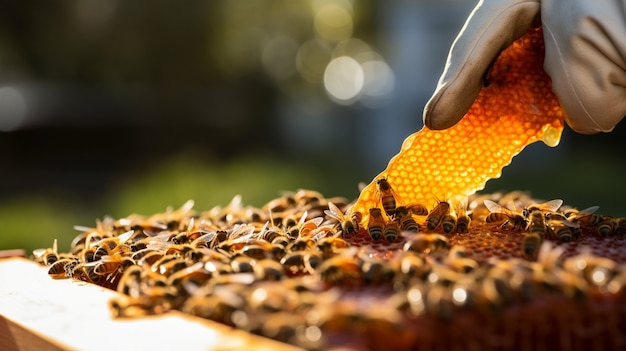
(343, 79)
(379, 83)
(333, 21)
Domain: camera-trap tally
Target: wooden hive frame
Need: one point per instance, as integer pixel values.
(39, 313)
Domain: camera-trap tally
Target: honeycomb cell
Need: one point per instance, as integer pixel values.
(516, 107)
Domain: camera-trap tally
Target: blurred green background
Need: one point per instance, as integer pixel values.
(119, 107)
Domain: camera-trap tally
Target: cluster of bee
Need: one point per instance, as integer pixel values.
(392, 219)
(535, 220)
(289, 270)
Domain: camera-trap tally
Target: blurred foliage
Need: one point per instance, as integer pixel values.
(35, 221)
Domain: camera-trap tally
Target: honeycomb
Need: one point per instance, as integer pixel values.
(516, 107)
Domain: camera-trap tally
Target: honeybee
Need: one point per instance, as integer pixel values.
(391, 231)
(404, 216)
(375, 224)
(130, 282)
(376, 271)
(418, 209)
(606, 226)
(387, 196)
(305, 197)
(341, 269)
(426, 243)
(560, 230)
(111, 265)
(548, 206)
(620, 225)
(356, 218)
(536, 224)
(503, 216)
(462, 218)
(58, 269)
(293, 262)
(448, 222)
(330, 244)
(268, 269)
(585, 218)
(436, 216)
(534, 235)
(47, 256)
(348, 227)
(109, 246)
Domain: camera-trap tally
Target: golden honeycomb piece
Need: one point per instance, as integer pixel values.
(516, 107)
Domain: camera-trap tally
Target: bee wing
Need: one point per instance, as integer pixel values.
(125, 236)
(494, 207)
(235, 203)
(190, 225)
(589, 210)
(302, 218)
(564, 222)
(187, 206)
(334, 212)
(83, 228)
(39, 252)
(552, 205)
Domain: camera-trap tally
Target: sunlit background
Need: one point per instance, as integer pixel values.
(117, 107)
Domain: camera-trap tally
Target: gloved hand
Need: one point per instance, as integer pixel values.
(585, 56)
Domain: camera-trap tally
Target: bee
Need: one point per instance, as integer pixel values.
(347, 225)
(47, 256)
(356, 218)
(130, 282)
(606, 226)
(242, 264)
(426, 243)
(560, 230)
(58, 269)
(375, 271)
(293, 262)
(620, 225)
(387, 196)
(419, 209)
(535, 233)
(311, 261)
(504, 216)
(536, 224)
(375, 224)
(459, 259)
(390, 233)
(112, 265)
(306, 197)
(462, 220)
(341, 269)
(548, 206)
(328, 246)
(268, 269)
(586, 218)
(85, 272)
(436, 216)
(404, 216)
(108, 246)
(448, 222)
(186, 237)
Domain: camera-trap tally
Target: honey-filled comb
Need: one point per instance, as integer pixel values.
(516, 107)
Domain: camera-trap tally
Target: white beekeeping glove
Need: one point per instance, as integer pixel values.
(585, 56)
